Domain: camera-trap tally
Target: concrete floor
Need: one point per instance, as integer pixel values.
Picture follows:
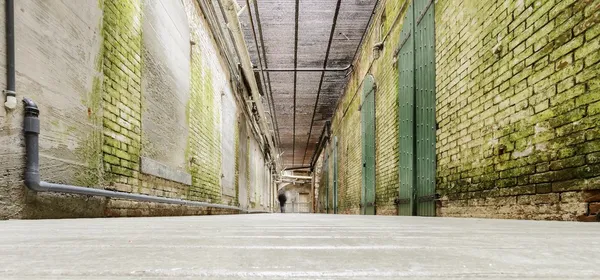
(275, 246)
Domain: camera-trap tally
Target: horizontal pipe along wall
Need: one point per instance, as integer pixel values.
(128, 105)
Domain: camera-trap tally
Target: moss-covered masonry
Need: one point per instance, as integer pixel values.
(518, 109)
(122, 32)
(204, 143)
(518, 101)
(83, 63)
(385, 27)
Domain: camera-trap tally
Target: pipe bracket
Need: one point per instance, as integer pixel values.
(10, 92)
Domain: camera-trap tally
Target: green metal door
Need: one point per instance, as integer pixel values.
(326, 182)
(406, 102)
(425, 107)
(416, 99)
(335, 175)
(367, 113)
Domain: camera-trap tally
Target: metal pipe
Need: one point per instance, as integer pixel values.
(296, 168)
(295, 79)
(356, 55)
(293, 180)
(246, 64)
(32, 180)
(365, 32)
(305, 69)
(262, 74)
(312, 119)
(11, 100)
(241, 11)
(262, 45)
(322, 139)
(209, 10)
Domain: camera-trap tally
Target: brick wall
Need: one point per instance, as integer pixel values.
(385, 27)
(114, 90)
(122, 32)
(517, 106)
(209, 87)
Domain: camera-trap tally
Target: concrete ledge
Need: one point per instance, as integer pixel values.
(155, 168)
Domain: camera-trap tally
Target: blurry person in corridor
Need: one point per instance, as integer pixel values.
(282, 199)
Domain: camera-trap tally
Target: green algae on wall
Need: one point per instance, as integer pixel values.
(248, 163)
(516, 101)
(122, 34)
(204, 140)
(90, 150)
(385, 28)
(236, 146)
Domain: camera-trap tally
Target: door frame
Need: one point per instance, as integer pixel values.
(368, 198)
(335, 175)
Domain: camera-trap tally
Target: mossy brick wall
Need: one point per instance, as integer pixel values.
(204, 143)
(122, 32)
(203, 151)
(518, 106)
(236, 147)
(91, 112)
(385, 27)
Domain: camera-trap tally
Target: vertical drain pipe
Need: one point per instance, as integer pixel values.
(11, 99)
(31, 127)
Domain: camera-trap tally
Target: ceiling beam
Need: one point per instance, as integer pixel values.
(312, 120)
(246, 63)
(262, 45)
(295, 79)
(304, 69)
(262, 74)
(358, 47)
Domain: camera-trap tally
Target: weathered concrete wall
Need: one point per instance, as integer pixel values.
(134, 96)
(166, 82)
(228, 147)
(518, 108)
(243, 162)
(256, 169)
(61, 71)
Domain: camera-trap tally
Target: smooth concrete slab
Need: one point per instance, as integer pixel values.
(276, 246)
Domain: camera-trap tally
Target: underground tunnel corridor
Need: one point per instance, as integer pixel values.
(400, 139)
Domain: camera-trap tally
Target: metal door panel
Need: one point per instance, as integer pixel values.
(406, 109)
(335, 175)
(416, 99)
(425, 107)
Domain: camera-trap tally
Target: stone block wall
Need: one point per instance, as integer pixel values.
(131, 96)
(517, 107)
